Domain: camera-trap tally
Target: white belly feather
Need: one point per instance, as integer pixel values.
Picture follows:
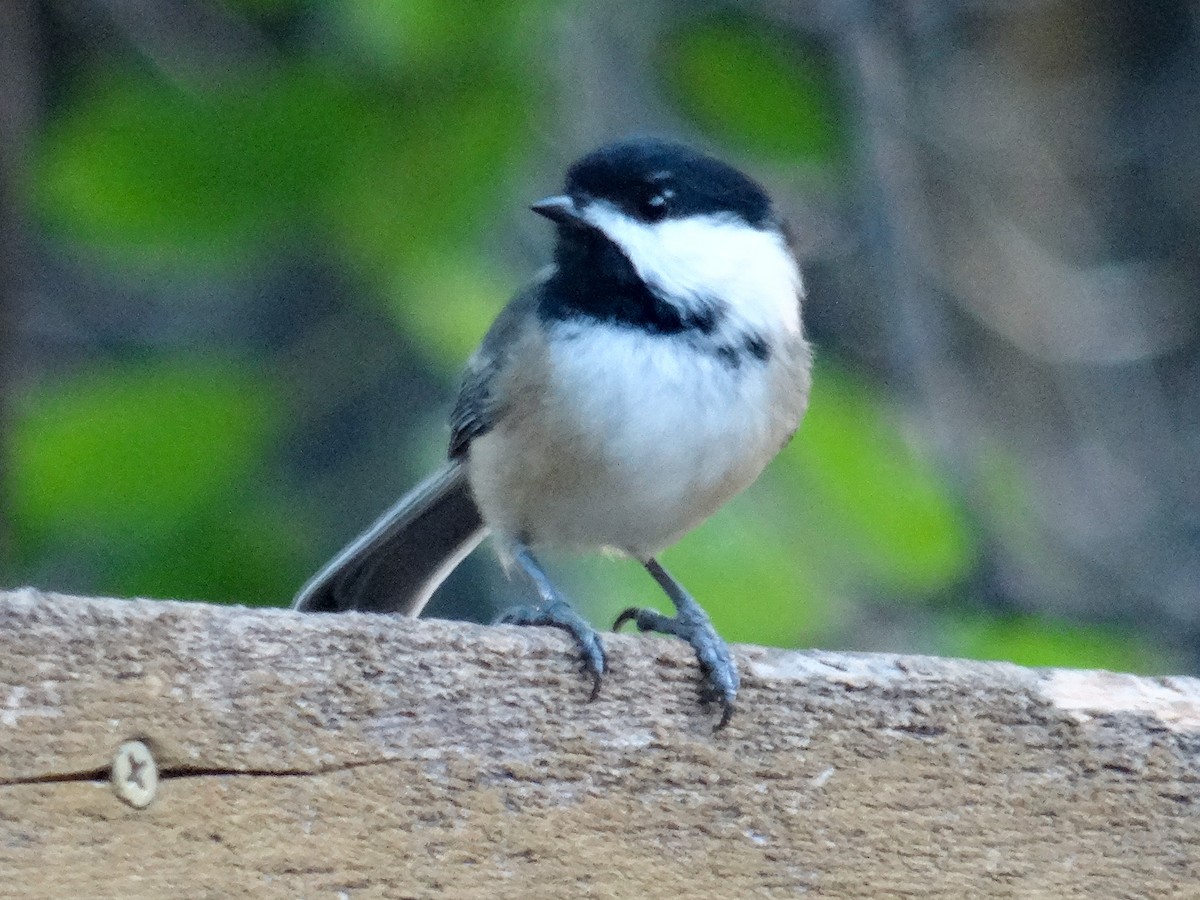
(631, 442)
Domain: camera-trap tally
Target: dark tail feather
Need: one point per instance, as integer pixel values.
(396, 564)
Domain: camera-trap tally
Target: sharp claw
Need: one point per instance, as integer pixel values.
(627, 616)
(595, 661)
(720, 683)
(726, 714)
(710, 693)
(720, 672)
(648, 620)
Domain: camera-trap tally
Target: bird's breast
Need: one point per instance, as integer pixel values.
(614, 437)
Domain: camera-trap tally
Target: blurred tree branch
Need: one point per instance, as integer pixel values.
(1026, 193)
(191, 42)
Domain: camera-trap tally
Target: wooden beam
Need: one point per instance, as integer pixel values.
(368, 756)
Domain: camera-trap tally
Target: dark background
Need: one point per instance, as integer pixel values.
(245, 248)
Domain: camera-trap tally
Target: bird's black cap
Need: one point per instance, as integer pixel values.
(655, 179)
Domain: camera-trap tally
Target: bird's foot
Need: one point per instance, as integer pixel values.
(558, 614)
(716, 662)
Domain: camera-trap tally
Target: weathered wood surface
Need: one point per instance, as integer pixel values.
(364, 756)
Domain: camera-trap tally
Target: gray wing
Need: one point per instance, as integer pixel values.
(477, 408)
(397, 563)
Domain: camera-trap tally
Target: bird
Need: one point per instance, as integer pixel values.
(645, 377)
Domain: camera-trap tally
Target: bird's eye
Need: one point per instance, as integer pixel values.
(655, 207)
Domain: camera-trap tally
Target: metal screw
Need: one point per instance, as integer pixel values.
(135, 774)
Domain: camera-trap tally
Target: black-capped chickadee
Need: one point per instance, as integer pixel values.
(645, 378)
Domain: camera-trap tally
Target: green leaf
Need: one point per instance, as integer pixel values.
(752, 90)
(414, 214)
(136, 450)
(437, 38)
(1043, 641)
(424, 190)
(895, 519)
(243, 548)
(147, 170)
(447, 304)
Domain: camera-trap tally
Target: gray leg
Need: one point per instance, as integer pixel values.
(553, 610)
(692, 624)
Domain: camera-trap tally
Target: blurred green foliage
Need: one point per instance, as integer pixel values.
(893, 510)
(756, 91)
(147, 475)
(1046, 641)
(143, 168)
(432, 39)
(396, 155)
(134, 449)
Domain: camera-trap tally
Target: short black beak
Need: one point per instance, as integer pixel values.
(561, 210)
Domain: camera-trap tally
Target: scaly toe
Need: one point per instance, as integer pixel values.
(560, 615)
(647, 620)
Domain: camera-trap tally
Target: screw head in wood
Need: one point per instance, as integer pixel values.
(134, 774)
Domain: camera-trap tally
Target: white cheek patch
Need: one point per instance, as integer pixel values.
(697, 260)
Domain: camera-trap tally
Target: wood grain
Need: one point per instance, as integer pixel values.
(367, 756)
